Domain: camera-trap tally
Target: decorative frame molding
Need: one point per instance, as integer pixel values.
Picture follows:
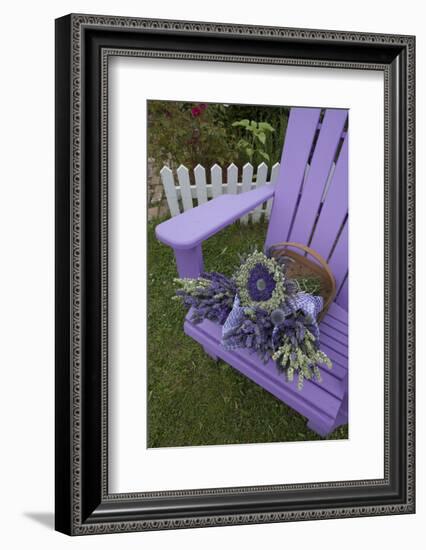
(84, 43)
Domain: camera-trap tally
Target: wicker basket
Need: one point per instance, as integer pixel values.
(303, 266)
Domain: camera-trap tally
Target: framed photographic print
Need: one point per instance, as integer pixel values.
(234, 274)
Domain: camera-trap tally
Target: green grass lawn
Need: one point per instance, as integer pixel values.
(193, 400)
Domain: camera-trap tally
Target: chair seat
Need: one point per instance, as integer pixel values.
(323, 403)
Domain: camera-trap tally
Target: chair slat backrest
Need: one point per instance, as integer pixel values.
(339, 260)
(311, 200)
(301, 128)
(335, 207)
(342, 297)
(321, 164)
(331, 233)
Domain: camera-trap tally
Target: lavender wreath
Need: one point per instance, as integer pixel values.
(262, 310)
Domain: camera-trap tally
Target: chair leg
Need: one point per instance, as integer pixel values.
(323, 429)
(189, 262)
(320, 428)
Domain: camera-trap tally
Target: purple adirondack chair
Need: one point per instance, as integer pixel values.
(310, 204)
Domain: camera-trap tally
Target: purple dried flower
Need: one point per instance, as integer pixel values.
(210, 296)
(294, 329)
(260, 284)
(277, 317)
(252, 332)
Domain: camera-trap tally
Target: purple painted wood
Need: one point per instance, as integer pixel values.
(322, 160)
(300, 134)
(342, 297)
(329, 330)
(334, 344)
(333, 329)
(335, 207)
(339, 314)
(198, 224)
(338, 371)
(189, 261)
(330, 324)
(321, 403)
(340, 360)
(186, 232)
(339, 258)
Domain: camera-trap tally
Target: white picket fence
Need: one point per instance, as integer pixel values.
(192, 189)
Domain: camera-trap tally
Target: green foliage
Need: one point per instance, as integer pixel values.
(186, 133)
(275, 116)
(256, 144)
(311, 285)
(199, 133)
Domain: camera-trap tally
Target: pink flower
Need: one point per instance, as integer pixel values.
(196, 111)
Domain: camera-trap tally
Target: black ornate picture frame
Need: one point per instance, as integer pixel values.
(84, 43)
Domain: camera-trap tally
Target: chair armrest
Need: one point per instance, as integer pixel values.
(191, 228)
